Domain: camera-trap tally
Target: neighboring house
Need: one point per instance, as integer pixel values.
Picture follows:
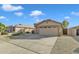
(49, 27)
(23, 28)
(10, 29)
(74, 31)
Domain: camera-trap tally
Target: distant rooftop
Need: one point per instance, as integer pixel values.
(22, 25)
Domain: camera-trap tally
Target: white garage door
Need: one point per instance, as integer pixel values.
(48, 31)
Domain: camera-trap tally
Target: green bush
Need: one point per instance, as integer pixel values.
(4, 33)
(27, 32)
(16, 34)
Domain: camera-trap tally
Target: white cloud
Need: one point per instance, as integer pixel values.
(2, 17)
(75, 13)
(67, 17)
(18, 13)
(37, 20)
(8, 7)
(36, 13)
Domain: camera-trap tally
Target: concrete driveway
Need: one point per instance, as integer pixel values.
(6, 48)
(65, 45)
(42, 45)
(76, 38)
(76, 50)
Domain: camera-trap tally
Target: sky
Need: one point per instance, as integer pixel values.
(12, 14)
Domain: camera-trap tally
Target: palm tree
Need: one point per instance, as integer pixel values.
(65, 24)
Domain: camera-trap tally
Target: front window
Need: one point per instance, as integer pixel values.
(45, 26)
(41, 27)
(49, 26)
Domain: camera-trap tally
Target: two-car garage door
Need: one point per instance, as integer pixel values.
(48, 31)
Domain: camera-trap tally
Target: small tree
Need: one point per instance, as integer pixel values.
(65, 24)
(2, 27)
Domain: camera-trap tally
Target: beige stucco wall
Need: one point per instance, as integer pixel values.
(17, 29)
(69, 32)
(72, 32)
(60, 31)
(28, 30)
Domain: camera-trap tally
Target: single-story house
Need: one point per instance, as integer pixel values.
(74, 31)
(49, 27)
(23, 28)
(20, 27)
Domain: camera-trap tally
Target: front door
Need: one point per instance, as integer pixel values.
(64, 31)
(77, 31)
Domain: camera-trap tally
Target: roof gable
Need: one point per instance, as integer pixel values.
(47, 21)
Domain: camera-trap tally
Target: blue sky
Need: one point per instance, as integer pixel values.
(31, 13)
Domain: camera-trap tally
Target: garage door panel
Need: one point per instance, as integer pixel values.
(48, 31)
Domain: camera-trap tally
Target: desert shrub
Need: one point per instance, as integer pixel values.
(4, 33)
